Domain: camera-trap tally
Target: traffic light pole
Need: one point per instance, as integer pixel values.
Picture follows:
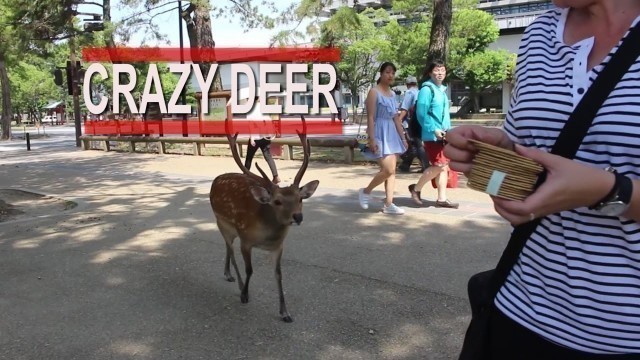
(76, 92)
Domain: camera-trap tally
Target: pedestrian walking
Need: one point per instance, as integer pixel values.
(261, 141)
(386, 138)
(412, 128)
(432, 110)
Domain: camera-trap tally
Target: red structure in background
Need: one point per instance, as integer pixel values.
(210, 128)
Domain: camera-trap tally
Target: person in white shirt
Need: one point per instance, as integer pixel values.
(261, 141)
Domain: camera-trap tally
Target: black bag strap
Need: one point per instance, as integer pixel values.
(569, 141)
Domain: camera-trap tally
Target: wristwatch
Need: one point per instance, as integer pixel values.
(617, 200)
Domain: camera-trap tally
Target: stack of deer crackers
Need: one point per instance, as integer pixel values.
(502, 173)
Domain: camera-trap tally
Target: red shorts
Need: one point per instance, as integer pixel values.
(435, 153)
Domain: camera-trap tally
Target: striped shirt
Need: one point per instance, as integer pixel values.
(577, 281)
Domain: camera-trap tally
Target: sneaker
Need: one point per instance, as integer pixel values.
(392, 209)
(447, 204)
(415, 195)
(363, 199)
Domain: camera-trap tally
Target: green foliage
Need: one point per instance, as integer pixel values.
(471, 32)
(411, 42)
(484, 69)
(40, 20)
(252, 14)
(362, 45)
(464, 4)
(409, 46)
(32, 87)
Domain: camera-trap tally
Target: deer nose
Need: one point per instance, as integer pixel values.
(297, 218)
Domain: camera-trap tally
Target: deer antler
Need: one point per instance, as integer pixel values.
(236, 157)
(306, 148)
(264, 175)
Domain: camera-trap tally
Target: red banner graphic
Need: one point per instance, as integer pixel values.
(218, 55)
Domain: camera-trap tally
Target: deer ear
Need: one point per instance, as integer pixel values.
(261, 194)
(308, 190)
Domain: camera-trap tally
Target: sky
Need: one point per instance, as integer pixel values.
(226, 32)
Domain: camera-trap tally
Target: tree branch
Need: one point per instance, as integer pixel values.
(93, 3)
(149, 10)
(160, 13)
(240, 7)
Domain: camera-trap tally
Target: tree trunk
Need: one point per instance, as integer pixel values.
(201, 36)
(440, 30)
(7, 111)
(106, 16)
(475, 98)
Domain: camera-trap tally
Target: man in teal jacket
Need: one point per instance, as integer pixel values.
(432, 110)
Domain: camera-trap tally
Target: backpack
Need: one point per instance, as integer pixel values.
(415, 130)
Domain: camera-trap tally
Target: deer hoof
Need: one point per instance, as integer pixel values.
(229, 278)
(287, 319)
(244, 298)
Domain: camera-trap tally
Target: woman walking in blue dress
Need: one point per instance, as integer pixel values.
(386, 138)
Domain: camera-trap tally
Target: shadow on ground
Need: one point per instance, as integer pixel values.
(135, 272)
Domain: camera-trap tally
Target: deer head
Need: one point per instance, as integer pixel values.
(285, 202)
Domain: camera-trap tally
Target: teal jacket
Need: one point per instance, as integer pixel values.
(432, 110)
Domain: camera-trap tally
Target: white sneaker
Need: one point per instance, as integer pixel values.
(392, 209)
(363, 199)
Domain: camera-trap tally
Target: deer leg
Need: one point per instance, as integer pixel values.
(246, 255)
(235, 266)
(284, 314)
(229, 236)
(227, 272)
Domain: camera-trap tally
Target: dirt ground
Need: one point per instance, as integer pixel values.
(18, 204)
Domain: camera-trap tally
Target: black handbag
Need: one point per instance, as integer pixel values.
(483, 287)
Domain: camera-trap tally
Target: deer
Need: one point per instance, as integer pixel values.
(260, 213)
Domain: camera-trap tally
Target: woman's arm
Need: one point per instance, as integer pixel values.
(371, 103)
(397, 119)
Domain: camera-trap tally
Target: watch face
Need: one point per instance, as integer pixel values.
(614, 208)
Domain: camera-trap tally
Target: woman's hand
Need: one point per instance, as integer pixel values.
(569, 185)
(373, 145)
(461, 152)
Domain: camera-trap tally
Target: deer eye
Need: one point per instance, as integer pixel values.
(278, 202)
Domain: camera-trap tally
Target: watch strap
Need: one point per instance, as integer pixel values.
(622, 191)
(626, 189)
(611, 194)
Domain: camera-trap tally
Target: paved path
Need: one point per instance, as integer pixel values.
(135, 271)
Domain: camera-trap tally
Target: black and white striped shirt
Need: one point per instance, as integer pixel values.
(577, 281)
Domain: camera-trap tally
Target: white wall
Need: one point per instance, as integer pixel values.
(510, 43)
(243, 80)
(507, 42)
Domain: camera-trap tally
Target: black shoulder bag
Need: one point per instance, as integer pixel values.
(483, 287)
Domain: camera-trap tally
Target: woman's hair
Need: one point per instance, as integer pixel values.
(384, 67)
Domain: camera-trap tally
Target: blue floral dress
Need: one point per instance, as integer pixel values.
(386, 134)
